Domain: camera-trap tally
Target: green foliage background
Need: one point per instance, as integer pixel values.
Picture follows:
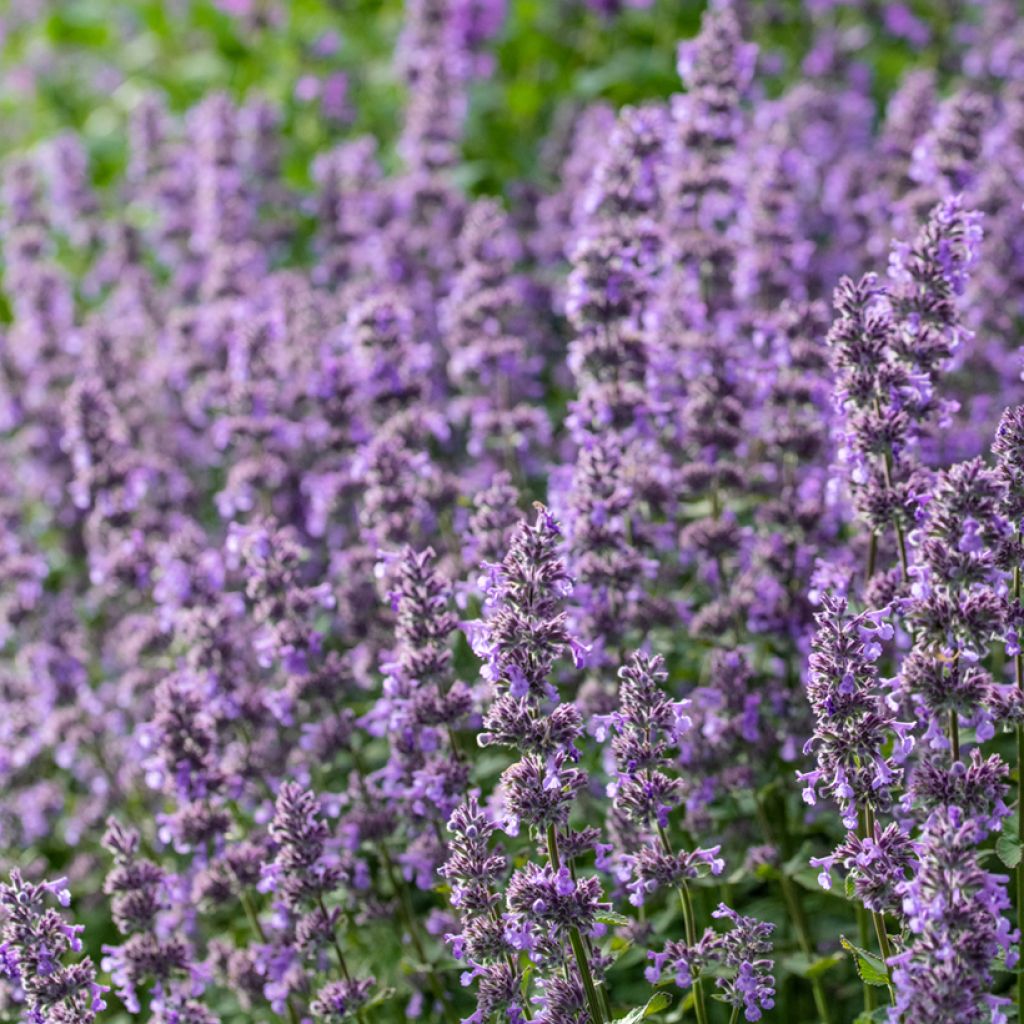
(84, 63)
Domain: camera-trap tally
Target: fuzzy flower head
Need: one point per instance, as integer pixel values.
(954, 910)
(545, 905)
(525, 632)
(740, 957)
(853, 723)
(647, 725)
(35, 941)
(878, 865)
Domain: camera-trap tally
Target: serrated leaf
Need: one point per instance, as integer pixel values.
(658, 1002)
(1008, 845)
(611, 917)
(870, 968)
(1008, 850)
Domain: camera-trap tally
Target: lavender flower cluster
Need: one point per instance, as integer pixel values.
(554, 609)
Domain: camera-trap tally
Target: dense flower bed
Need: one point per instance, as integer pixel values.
(597, 602)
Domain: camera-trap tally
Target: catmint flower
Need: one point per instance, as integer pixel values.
(928, 276)
(540, 791)
(702, 187)
(646, 726)
(513, 722)
(1008, 448)
(525, 629)
(853, 722)
(954, 910)
(653, 869)
(420, 710)
(741, 955)
(476, 870)
(141, 898)
(877, 864)
(486, 324)
(546, 904)
(976, 789)
(304, 873)
(298, 870)
(338, 1001)
(492, 522)
(34, 942)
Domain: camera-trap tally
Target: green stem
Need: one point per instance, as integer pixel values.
(1020, 867)
(863, 934)
(796, 914)
(954, 734)
(342, 965)
(257, 927)
(901, 543)
(593, 1002)
(885, 949)
(872, 554)
(879, 920)
(690, 926)
(400, 889)
(863, 928)
(1018, 665)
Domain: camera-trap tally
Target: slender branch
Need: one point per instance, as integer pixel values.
(257, 927)
(342, 965)
(863, 934)
(872, 554)
(690, 926)
(878, 919)
(796, 913)
(1018, 665)
(593, 1002)
(901, 543)
(405, 907)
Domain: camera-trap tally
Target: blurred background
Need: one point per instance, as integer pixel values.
(84, 64)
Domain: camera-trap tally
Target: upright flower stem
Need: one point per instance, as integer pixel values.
(796, 914)
(602, 988)
(342, 965)
(254, 923)
(901, 543)
(404, 903)
(1018, 665)
(576, 940)
(864, 936)
(954, 734)
(879, 920)
(690, 925)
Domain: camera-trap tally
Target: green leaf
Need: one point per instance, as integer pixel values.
(807, 878)
(659, 1001)
(1008, 845)
(870, 968)
(879, 1016)
(380, 996)
(611, 917)
(804, 966)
